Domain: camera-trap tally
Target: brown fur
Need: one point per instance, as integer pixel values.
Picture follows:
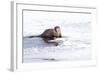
(51, 34)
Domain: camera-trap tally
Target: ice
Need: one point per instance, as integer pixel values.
(35, 49)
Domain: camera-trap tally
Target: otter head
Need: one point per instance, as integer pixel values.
(57, 31)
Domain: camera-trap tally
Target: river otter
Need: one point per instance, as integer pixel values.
(50, 34)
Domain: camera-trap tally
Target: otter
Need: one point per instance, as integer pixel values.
(50, 34)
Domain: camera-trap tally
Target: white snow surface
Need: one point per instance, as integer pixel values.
(75, 46)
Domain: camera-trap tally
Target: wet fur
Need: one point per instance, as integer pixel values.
(50, 34)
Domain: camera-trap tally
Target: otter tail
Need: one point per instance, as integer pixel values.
(33, 36)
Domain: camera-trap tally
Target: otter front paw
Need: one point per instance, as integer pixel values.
(56, 44)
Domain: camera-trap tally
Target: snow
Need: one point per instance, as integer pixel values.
(75, 46)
